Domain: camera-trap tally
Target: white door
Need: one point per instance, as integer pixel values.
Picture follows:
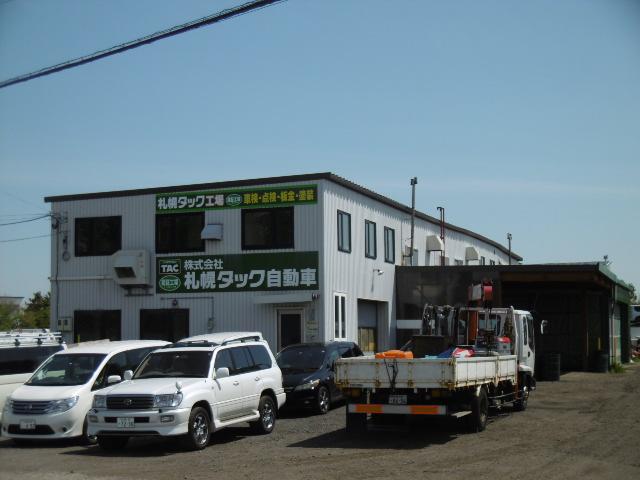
(227, 392)
(527, 342)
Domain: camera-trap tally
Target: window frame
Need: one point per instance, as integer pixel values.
(272, 245)
(368, 224)
(91, 252)
(347, 216)
(174, 247)
(389, 250)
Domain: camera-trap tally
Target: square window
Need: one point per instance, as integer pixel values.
(179, 232)
(267, 228)
(98, 236)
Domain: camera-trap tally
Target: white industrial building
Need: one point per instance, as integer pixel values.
(299, 258)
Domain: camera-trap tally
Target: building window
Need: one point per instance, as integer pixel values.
(267, 228)
(492, 262)
(344, 232)
(91, 325)
(340, 315)
(483, 261)
(389, 245)
(170, 324)
(370, 246)
(98, 236)
(179, 232)
(459, 262)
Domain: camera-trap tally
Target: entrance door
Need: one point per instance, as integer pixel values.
(170, 324)
(368, 326)
(289, 327)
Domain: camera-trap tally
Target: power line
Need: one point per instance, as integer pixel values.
(25, 221)
(123, 47)
(25, 238)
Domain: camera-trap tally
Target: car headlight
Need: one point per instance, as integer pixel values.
(100, 401)
(59, 406)
(8, 405)
(309, 385)
(169, 400)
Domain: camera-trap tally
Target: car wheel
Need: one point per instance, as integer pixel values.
(267, 421)
(323, 400)
(86, 439)
(197, 437)
(112, 443)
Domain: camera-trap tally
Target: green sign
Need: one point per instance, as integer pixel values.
(238, 273)
(246, 198)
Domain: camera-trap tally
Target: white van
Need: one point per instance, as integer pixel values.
(54, 402)
(21, 352)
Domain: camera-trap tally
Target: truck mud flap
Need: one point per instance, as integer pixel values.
(376, 409)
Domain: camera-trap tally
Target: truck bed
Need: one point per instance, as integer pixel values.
(451, 373)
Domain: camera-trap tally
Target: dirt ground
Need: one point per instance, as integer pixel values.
(584, 426)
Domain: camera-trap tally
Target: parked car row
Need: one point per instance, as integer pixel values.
(189, 389)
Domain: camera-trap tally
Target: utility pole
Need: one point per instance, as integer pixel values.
(509, 238)
(441, 210)
(414, 182)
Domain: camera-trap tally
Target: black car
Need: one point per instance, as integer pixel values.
(308, 372)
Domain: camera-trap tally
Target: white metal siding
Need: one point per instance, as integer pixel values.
(80, 290)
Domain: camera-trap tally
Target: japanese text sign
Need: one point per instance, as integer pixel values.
(246, 198)
(235, 273)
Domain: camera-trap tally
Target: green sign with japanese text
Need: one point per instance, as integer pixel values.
(245, 198)
(237, 273)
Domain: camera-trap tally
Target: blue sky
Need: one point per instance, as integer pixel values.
(515, 116)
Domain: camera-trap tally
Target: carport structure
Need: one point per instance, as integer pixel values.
(585, 305)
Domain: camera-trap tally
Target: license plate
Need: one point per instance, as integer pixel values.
(125, 422)
(397, 399)
(27, 424)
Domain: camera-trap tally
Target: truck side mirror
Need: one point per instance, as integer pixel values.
(222, 372)
(111, 379)
(543, 326)
(128, 374)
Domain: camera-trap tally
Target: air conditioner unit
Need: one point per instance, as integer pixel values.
(471, 253)
(131, 268)
(434, 244)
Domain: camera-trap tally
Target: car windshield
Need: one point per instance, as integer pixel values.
(67, 369)
(175, 364)
(301, 358)
(24, 359)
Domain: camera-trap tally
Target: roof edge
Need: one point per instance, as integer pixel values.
(282, 179)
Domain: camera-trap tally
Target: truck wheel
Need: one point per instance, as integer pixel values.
(267, 420)
(477, 421)
(323, 400)
(197, 437)
(112, 443)
(520, 405)
(356, 422)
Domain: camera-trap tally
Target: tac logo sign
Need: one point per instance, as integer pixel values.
(233, 200)
(169, 267)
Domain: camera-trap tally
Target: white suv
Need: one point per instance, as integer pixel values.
(192, 388)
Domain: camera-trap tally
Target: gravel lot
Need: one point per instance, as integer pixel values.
(584, 426)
